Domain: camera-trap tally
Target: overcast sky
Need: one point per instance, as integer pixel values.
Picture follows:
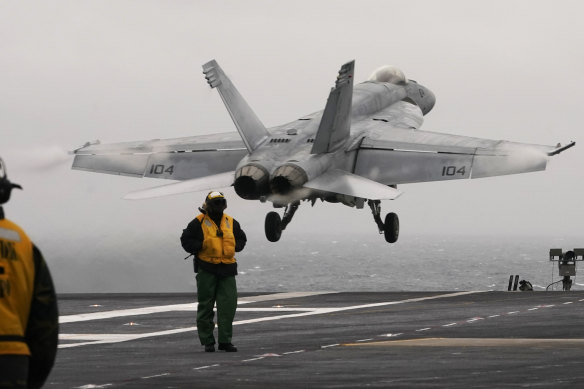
(74, 71)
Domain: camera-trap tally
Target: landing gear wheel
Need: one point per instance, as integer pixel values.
(391, 230)
(273, 226)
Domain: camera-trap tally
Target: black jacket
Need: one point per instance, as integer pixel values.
(192, 241)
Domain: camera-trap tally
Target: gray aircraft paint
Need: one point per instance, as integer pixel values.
(384, 145)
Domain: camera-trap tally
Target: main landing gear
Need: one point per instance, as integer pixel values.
(274, 225)
(391, 226)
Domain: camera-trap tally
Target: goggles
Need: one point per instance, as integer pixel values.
(218, 201)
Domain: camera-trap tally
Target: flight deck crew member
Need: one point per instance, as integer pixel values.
(28, 305)
(213, 237)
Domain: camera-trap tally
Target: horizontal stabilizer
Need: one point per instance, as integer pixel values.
(250, 128)
(216, 181)
(339, 181)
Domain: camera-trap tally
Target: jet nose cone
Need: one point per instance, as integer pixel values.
(430, 101)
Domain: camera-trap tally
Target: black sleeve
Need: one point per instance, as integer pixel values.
(192, 237)
(42, 331)
(240, 238)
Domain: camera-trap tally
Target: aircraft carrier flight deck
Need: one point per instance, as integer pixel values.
(472, 339)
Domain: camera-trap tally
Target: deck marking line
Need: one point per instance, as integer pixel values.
(293, 352)
(330, 345)
(177, 307)
(424, 329)
(449, 325)
(494, 315)
(192, 306)
(115, 338)
(511, 313)
(568, 302)
(477, 342)
(364, 340)
(205, 367)
(532, 309)
(126, 312)
(253, 359)
(278, 296)
(154, 376)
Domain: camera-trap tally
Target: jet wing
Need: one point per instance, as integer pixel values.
(398, 156)
(174, 159)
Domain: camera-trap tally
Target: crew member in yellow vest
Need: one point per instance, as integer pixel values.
(28, 305)
(214, 237)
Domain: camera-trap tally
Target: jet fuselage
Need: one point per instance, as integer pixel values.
(284, 162)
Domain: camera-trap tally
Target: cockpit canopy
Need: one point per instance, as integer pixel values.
(390, 74)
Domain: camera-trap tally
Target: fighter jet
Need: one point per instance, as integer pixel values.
(365, 142)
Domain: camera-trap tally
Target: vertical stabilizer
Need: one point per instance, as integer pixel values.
(335, 124)
(250, 128)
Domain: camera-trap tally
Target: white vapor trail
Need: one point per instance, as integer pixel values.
(37, 158)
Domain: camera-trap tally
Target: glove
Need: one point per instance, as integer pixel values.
(239, 245)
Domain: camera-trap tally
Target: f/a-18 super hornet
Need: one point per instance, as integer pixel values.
(365, 142)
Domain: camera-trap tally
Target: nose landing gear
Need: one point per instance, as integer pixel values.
(390, 229)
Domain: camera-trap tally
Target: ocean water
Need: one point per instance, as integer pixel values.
(303, 261)
(426, 263)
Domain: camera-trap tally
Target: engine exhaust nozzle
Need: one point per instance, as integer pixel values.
(287, 178)
(251, 182)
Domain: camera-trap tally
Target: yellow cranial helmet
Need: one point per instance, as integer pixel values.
(215, 195)
(215, 201)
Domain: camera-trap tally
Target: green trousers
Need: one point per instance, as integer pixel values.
(213, 289)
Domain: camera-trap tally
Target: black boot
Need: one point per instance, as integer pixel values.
(228, 347)
(210, 348)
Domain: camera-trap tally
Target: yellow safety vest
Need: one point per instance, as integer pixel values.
(17, 274)
(217, 249)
